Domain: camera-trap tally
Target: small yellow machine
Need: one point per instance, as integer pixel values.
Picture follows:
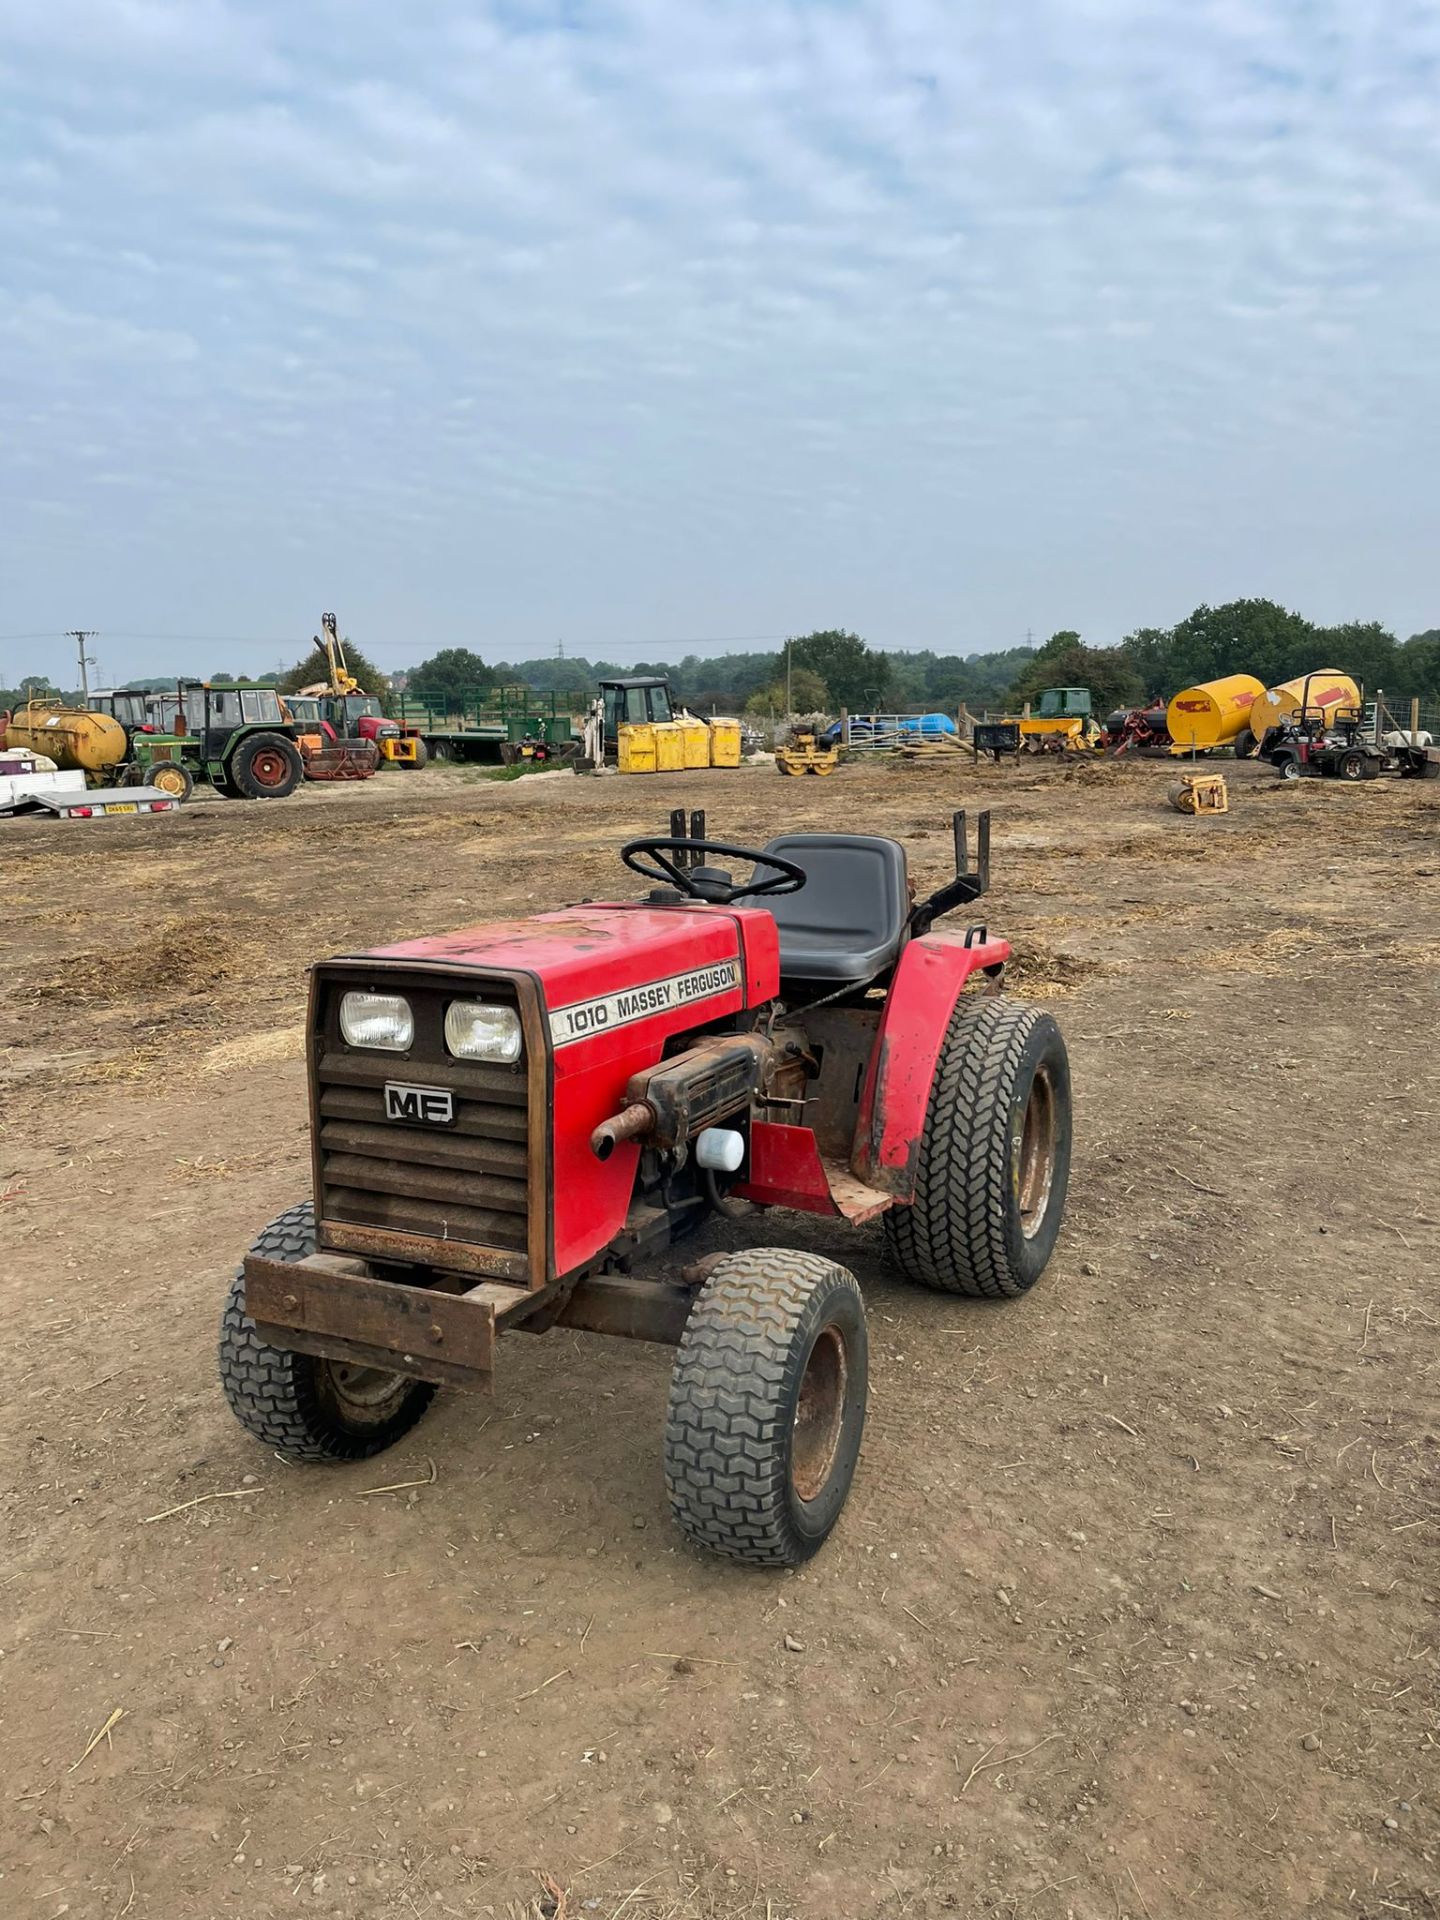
(803, 753)
(1061, 723)
(1200, 793)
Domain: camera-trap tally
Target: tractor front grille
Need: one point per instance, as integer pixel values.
(465, 1184)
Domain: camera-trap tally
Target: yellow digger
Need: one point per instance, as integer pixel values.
(350, 711)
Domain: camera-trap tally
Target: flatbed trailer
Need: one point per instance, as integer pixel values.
(101, 804)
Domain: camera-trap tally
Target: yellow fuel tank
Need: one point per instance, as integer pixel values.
(74, 738)
(1212, 714)
(1329, 688)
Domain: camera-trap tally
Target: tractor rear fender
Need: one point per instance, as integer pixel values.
(933, 971)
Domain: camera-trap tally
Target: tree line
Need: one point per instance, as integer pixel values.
(832, 668)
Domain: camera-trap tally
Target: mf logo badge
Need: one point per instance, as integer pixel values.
(430, 1106)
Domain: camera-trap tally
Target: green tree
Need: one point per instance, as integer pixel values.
(454, 673)
(1417, 665)
(858, 677)
(1242, 636)
(315, 668)
(1109, 673)
(1149, 648)
(1365, 650)
(808, 694)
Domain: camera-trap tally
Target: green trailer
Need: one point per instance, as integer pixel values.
(495, 730)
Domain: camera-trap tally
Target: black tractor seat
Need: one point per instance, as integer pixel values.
(848, 922)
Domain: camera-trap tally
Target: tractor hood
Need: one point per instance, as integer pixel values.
(602, 991)
(606, 966)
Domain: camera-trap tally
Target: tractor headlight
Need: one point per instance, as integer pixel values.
(382, 1020)
(475, 1032)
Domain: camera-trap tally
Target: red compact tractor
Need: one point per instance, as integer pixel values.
(514, 1125)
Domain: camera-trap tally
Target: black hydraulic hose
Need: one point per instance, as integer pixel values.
(728, 1208)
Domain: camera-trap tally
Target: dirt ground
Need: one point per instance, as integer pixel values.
(1133, 1611)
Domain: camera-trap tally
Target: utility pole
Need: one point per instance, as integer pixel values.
(789, 701)
(87, 660)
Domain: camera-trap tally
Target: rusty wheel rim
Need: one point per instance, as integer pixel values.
(269, 768)
(1035, 1162)
(365, 1394)
(819, 1414)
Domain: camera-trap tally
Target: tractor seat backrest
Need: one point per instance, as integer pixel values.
(847, 923)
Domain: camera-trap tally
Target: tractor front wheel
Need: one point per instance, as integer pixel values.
(767, 1406)
(994, 1159)
(265, 766)
(171, 778)
(422, 755)
(304, 1407)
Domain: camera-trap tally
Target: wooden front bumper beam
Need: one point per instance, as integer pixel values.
(330, 1305)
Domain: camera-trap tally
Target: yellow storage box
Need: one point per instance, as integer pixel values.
(636, 747)
(724, 743)
(669, 747)
(696, 737)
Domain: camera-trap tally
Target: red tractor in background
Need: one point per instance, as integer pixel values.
(348, 712)
(513, 1125)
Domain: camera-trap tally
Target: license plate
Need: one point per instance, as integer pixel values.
(124, 806)
(426, 1106)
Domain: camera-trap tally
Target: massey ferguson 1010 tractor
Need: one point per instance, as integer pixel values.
(512, 1126)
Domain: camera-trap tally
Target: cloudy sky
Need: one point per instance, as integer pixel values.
(651, 323)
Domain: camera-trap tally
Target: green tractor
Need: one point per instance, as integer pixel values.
(153, 757)
(236, 737)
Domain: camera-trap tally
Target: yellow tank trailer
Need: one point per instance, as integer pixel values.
(1212, 714)
(1326, 688)
(74, 738)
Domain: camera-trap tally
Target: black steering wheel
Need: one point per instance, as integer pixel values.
(696, 882)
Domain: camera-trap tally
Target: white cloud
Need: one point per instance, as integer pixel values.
(625, 310)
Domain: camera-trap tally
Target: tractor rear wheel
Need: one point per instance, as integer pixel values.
(767, 1406)
(994, 1157)
(307, 1408)
(265, 766)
